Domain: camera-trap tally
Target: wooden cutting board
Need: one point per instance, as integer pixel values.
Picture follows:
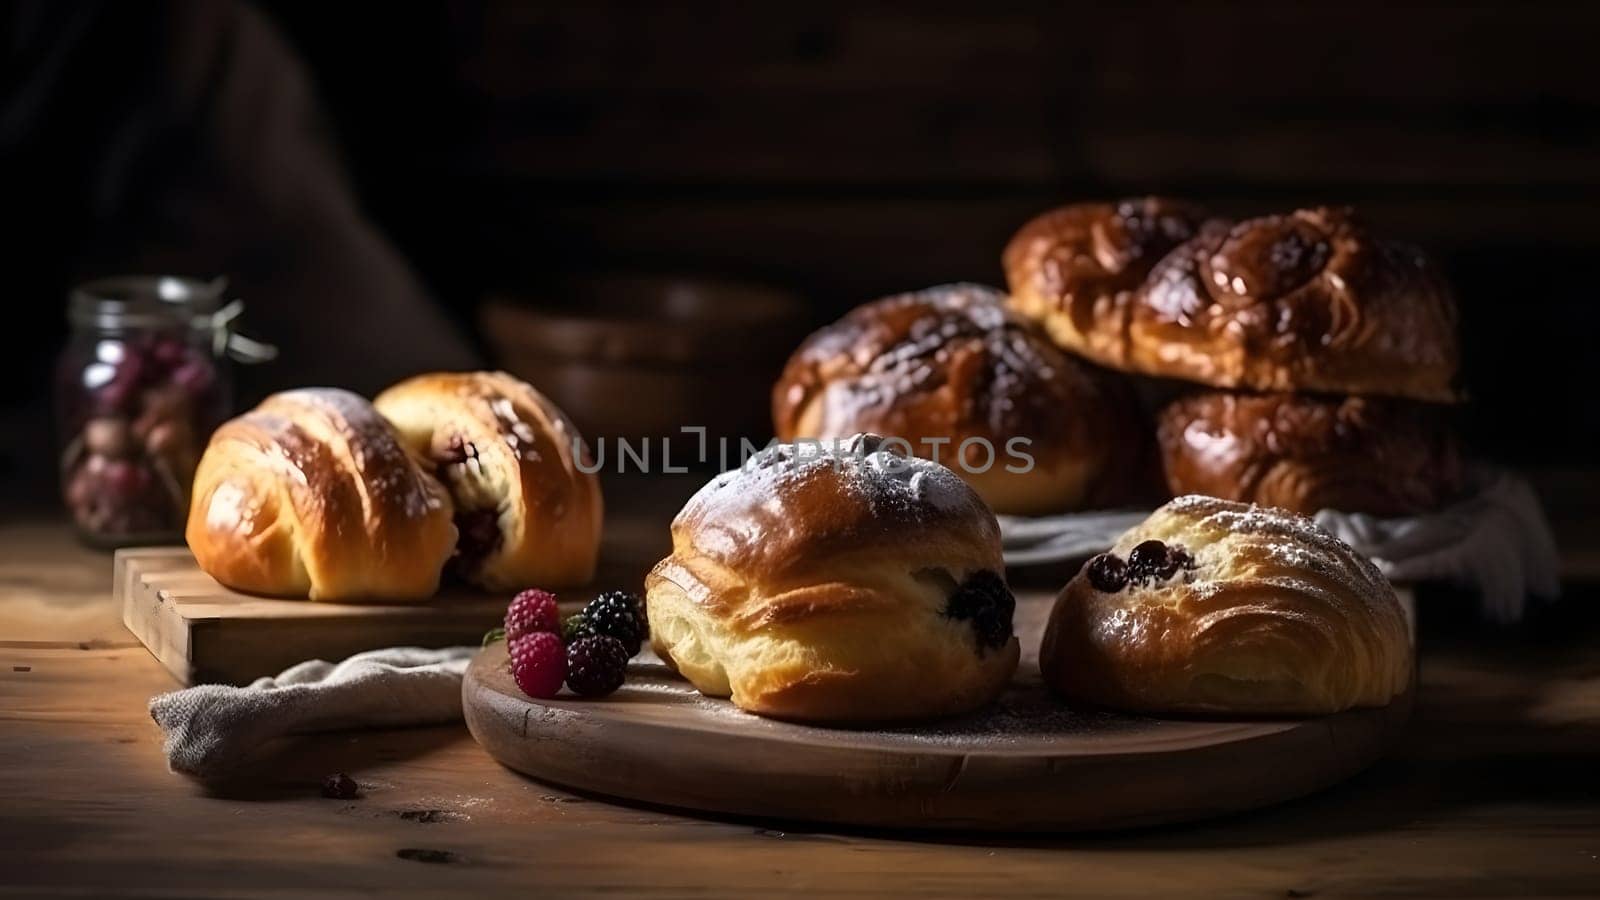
(206, 633)
(1028, 763)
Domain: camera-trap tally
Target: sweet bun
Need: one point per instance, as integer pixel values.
(1214, 607)
(1076, 269)
(510, 459)
(1306, 453)
(956, 377)
(1308, 301)
(312, 495)
(848, 585)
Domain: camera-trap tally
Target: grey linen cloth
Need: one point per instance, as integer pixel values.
(211, 729)
(1495, 541)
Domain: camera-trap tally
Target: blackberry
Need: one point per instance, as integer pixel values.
(596, 665)
(984, 601)
(615, 614)
(642, 617)
(1108, 573)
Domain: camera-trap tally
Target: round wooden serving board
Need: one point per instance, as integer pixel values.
(1027, 763)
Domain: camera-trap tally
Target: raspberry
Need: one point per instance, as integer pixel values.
(615, 614)
(531, 612)
(596, 665)
(538, 664)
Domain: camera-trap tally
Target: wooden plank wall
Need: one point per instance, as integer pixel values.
(853, 149)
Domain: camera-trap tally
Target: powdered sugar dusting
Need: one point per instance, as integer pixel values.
(1293, 541)
(809, 491)
(867, 466)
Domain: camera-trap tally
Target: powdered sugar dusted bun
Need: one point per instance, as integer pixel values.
(1216, 607)
(963, 380)
(845, 583)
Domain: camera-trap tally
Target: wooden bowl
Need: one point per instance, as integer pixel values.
(635, 356)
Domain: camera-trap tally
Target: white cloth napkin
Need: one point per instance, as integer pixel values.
(1495, 542)
(213, 728)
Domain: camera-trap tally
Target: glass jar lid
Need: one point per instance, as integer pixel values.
(144, 301)
(162, 301)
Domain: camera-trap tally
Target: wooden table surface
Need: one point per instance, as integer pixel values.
(1495, 791)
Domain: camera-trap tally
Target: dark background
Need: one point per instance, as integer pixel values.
(849, 150)
(854, 149)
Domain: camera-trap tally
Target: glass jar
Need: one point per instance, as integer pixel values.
(141, 384)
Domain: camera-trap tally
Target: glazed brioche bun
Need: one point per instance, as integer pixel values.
(958, 378)
(1305, 302)
(1306, 453)
(1076, 270)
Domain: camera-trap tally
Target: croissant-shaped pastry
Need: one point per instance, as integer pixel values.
(527, 513)
(1215, 607)
(1309, 301)
(312, 495)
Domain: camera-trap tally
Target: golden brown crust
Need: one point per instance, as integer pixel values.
(1076, 269)
(816, 585)
(510, 459)
(311, 494)
(1272, 616)
(1308, 301)
(950, 367)
(1307, 453)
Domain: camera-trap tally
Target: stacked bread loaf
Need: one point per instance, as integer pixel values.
(1324, 356)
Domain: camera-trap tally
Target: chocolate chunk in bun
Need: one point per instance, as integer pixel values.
(528, 512)
(960, 379)
(1076, 269)
(1309, 301)
(845, 583)
(1218, 608)
(1307, 453)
